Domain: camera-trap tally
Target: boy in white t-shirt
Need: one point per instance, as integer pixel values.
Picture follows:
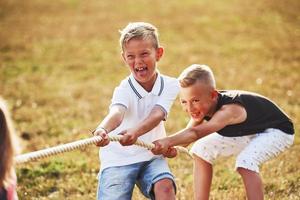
(139, 106)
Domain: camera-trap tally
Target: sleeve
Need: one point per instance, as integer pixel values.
(168, 95)
(120, 97)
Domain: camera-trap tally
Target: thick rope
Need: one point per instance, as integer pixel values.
(80, 144)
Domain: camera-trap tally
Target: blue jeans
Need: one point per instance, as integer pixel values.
(117, 183)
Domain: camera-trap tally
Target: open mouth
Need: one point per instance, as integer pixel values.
(196, 115)
(140, 69)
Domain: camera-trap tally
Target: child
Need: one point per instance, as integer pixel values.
(139, 106)
(7, 152)
(229, 122)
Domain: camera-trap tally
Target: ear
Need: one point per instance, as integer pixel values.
(159, 53)
(214, 94)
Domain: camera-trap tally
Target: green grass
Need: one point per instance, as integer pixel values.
(60, 61)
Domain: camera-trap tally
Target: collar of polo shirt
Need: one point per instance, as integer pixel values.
(141, 92)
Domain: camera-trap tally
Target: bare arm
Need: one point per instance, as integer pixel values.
(154, 118)
(227, 115)
(191, 124)
(110, 123)
(114, 118)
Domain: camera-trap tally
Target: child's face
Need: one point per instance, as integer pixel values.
(198, 100)
(141, 57)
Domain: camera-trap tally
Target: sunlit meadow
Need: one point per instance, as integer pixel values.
(60, 61)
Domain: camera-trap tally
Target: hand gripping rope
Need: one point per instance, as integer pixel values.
(80, 144)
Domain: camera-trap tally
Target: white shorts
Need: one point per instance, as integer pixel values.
(251, 150)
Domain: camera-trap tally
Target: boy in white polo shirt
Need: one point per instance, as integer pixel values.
(139, 106)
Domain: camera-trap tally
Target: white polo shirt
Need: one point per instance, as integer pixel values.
(138, 103)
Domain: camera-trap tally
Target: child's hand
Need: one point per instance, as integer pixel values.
(129, 137)
(171, 153)
(105, 140)
(161, 146)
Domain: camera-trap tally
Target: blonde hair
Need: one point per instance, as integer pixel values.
(7, 147)
(197, 72)
(139, 30)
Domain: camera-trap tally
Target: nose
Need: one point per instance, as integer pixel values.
(138, 60)
(190, 107)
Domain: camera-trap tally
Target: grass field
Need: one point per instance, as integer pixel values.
(60, 61)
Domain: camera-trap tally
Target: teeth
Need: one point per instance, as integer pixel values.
(195, 114)
(140, 69)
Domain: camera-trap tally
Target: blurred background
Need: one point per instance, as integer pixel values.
(60, 61)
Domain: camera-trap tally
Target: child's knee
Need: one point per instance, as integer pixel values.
(165, 187)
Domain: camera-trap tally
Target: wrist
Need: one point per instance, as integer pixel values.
(101, 128)
(136, 132)
(169, 142)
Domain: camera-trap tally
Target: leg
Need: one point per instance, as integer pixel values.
(253, 184)
(156, 181)
(206, 150)
(260, 149)
(164, 190)
(203, 172)
(117, 182)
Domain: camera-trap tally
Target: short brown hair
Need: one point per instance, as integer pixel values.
(197, 72)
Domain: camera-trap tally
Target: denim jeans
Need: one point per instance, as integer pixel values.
(117, 183)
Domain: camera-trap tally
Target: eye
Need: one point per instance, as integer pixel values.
(183, 102)
(129, 57)
(144, 54)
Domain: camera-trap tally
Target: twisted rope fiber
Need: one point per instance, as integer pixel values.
(80, 144)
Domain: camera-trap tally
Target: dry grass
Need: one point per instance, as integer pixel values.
(60, 60)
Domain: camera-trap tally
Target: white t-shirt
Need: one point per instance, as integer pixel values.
(138, 103)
